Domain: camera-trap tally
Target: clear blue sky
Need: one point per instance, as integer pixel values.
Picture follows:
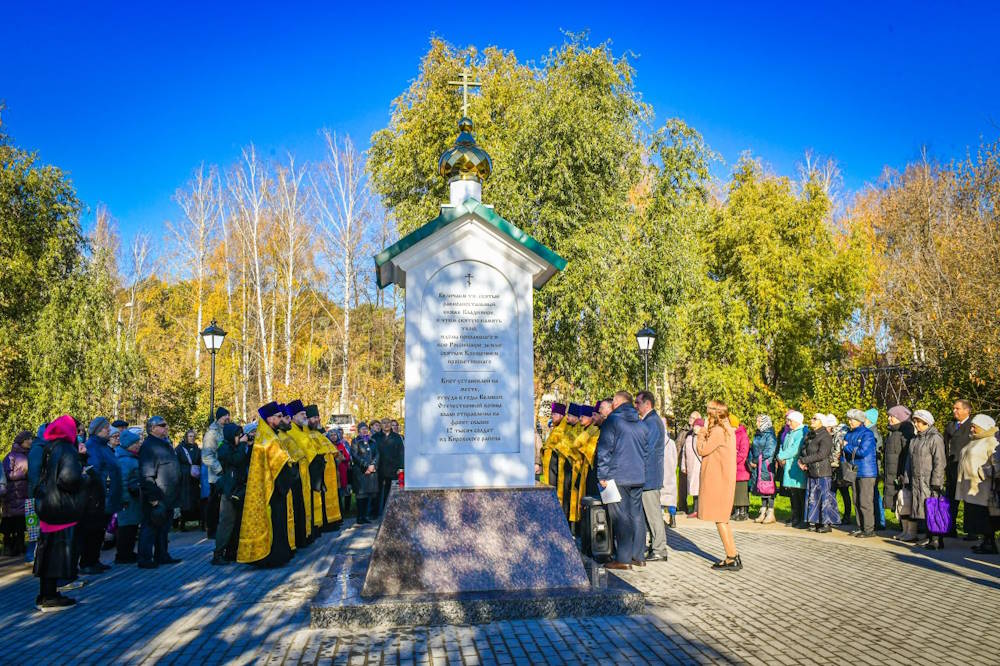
(129, 100)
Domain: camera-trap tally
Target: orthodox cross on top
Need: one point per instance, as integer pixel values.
(468, 279)
(465, 83)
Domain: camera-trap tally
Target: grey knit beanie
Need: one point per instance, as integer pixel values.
(96, 425)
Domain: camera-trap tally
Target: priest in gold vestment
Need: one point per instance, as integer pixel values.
(266, 529)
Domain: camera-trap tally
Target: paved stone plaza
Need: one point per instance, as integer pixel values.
(801, 598)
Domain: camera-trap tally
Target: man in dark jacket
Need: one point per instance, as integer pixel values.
(645, 403)
(159, 475)
(957, 434)
(234, 459)
(621, 458)
(390, 461)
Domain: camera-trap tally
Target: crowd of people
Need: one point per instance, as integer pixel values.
(717, 463)
(261, 490)
(264, 489)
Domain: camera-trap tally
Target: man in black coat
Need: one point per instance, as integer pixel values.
(957, 434)
(390, 461)
(159, 478)
(621, 457)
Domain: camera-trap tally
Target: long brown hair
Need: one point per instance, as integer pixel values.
(718, 413)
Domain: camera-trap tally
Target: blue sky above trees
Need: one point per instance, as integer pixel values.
(131, 99)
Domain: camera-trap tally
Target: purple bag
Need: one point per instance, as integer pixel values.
(938, 511)
(764, 487)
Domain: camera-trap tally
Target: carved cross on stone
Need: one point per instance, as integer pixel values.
(465, 84)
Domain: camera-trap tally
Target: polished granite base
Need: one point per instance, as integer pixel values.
(453, 541)
(339, 602)
(462, 556)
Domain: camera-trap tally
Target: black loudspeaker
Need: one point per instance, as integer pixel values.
(597, 539)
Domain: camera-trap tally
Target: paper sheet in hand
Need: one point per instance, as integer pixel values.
(610, 494)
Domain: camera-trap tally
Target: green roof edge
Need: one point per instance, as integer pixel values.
(449, 215)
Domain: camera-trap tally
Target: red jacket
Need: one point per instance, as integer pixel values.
(344, 465)
(742, 451)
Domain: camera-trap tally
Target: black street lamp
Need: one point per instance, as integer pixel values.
(645, 339)
(213, 337)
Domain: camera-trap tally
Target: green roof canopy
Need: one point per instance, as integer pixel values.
(449, 214)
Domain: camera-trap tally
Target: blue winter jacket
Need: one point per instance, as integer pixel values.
(130, 512)
(621, 448)
(860, 447)
(654, 450)
(762, 450)
(102, 458)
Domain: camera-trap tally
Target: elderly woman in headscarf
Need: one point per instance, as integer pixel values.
(189, 486)
(761, 462)
(924, 474)
(973, 488)
(989, 473)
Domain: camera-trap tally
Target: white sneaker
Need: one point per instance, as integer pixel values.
(72, 585)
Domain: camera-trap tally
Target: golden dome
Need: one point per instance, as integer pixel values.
(465, 160)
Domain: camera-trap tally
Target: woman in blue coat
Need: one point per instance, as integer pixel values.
(793, 478)
(131, 511)
(860, 449)
(761, 464)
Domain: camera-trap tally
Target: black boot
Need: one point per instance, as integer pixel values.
(673, 521)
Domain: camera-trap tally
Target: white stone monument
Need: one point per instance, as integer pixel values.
(472, 537)
(469, 276)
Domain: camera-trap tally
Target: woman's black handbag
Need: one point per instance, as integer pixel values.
(848, 471)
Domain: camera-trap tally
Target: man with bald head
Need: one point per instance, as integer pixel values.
(621, 457)
(957, 434)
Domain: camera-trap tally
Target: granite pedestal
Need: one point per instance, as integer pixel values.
(464, 556)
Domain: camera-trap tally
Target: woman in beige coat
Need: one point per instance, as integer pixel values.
(972, 488)
(717, 447)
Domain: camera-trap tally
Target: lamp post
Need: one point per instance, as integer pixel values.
(645, 339)
(213, 337)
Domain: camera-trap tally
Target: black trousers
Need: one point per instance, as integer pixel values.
(845, 494)
(230, 516)
(385, 487)
(798, 499)
(13, 534)
(90, 538)
(212, 511)
(47, 588)
(126, 542)
(345, 503)
(682, 493)
(951, 484)
(364, 507)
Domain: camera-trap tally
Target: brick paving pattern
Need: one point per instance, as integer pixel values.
(800, 599)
